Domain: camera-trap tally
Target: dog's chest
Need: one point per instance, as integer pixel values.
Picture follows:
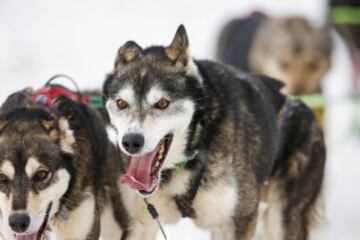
(137, 208)
(212, 205)
(215, 205)
(79, 223)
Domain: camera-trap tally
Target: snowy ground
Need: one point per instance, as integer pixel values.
(41, 38)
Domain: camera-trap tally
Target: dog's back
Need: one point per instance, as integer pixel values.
(293, 192)
(250, 104)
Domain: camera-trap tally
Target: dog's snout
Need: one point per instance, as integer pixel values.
(133, 142)
(19, 222)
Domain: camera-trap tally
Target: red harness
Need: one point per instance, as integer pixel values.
(50, 92)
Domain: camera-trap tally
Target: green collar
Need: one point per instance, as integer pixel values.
(183, 163)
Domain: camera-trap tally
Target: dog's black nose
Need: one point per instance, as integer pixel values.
(133, 142)
(19, 222)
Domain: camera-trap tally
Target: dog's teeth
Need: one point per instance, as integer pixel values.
(157, 164)
(160, 156)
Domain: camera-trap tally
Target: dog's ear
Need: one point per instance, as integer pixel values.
(177, 52)
(106, 87)
(127, 52)
(18, 99)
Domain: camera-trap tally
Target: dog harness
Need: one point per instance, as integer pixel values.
(50, 92)
(184, 202)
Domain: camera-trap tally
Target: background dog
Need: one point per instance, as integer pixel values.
(289, 49)
(201, 141)
(57, 172)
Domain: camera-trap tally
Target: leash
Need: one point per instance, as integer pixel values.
(190, 197)
(155, 215)
(182, 164)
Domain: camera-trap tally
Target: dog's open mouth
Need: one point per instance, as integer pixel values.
(39, 234)
(143, 173)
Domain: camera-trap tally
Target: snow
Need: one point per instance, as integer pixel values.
(41, 38)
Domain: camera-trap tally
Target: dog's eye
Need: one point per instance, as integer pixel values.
(121, 104)
(162, 104)
(3, 179)
(41, 175)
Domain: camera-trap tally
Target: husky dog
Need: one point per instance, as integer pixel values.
(199, 140)
(52, 172)
(289, 49)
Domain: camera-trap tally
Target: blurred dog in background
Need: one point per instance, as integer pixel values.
(289, 49)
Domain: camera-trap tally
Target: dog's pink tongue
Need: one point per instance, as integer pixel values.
(32, 236)
(138, 175)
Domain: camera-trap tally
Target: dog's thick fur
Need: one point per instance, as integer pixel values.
(71, 144)
(294, 187)
(289, 49)
(254, 143)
